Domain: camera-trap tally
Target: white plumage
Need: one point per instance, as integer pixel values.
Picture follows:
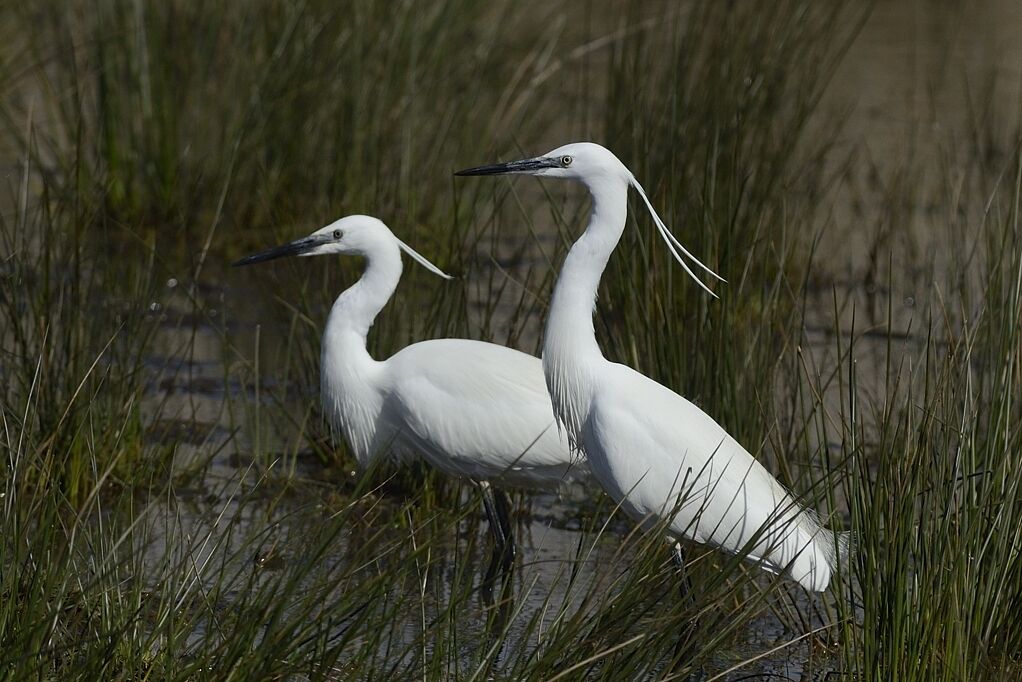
(654, 452)
(479, 411)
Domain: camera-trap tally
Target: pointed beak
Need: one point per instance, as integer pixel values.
(523, 166)
(298, 247)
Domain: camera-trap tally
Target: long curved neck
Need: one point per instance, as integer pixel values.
(569, 341)
(570, 322)
(355, 310)
(348, 374)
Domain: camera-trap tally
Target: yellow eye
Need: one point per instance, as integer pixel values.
(565, 161)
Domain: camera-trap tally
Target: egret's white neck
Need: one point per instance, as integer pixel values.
(349, 376)
(569, 342)
(355, 310)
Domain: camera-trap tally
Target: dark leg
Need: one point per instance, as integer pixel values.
(496, 506)
(503, 506)
(682, 649)
(678, 554)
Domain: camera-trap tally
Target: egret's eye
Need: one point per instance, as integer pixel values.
(338, 234)
(565, 161)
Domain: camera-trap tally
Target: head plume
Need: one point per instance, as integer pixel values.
(673, 245)
(421, 260)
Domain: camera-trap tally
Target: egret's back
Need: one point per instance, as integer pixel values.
(659, 454)
(478, 410)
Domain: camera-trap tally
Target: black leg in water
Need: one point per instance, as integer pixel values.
(498, 612)
(686, 639)
(503, 505)
(502, 560)
(678, 555)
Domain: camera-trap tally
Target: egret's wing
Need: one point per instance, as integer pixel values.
(660, 446)
(477, 409)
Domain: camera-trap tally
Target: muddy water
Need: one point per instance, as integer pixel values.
(918, 72)
(928, 95)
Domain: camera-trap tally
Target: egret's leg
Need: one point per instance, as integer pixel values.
(678, 554)
(492, 517)
(685, 641)
(503, 546)
(503, 506)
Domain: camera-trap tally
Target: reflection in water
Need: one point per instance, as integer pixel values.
(498, 612)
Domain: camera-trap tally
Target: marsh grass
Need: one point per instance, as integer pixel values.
(938, 480)
(148, 150)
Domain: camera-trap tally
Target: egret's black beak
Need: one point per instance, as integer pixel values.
(295, 248)
(523, 166)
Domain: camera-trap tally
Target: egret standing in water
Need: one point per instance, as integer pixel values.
(473, 410)
(654, 452)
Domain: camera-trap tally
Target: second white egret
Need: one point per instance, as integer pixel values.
(658, 455)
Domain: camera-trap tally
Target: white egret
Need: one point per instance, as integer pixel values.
(658, 455)
(473, 410)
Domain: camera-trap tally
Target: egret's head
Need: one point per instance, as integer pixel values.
(354, 235)
(598, 169)
(585, 161)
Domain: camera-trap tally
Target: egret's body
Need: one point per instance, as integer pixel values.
(658, 455)
(473, 410)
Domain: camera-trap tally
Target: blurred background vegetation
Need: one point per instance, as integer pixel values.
(171, 505)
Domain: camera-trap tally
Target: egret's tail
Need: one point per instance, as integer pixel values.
(823, 552)
(844, 549)
(837, 545)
